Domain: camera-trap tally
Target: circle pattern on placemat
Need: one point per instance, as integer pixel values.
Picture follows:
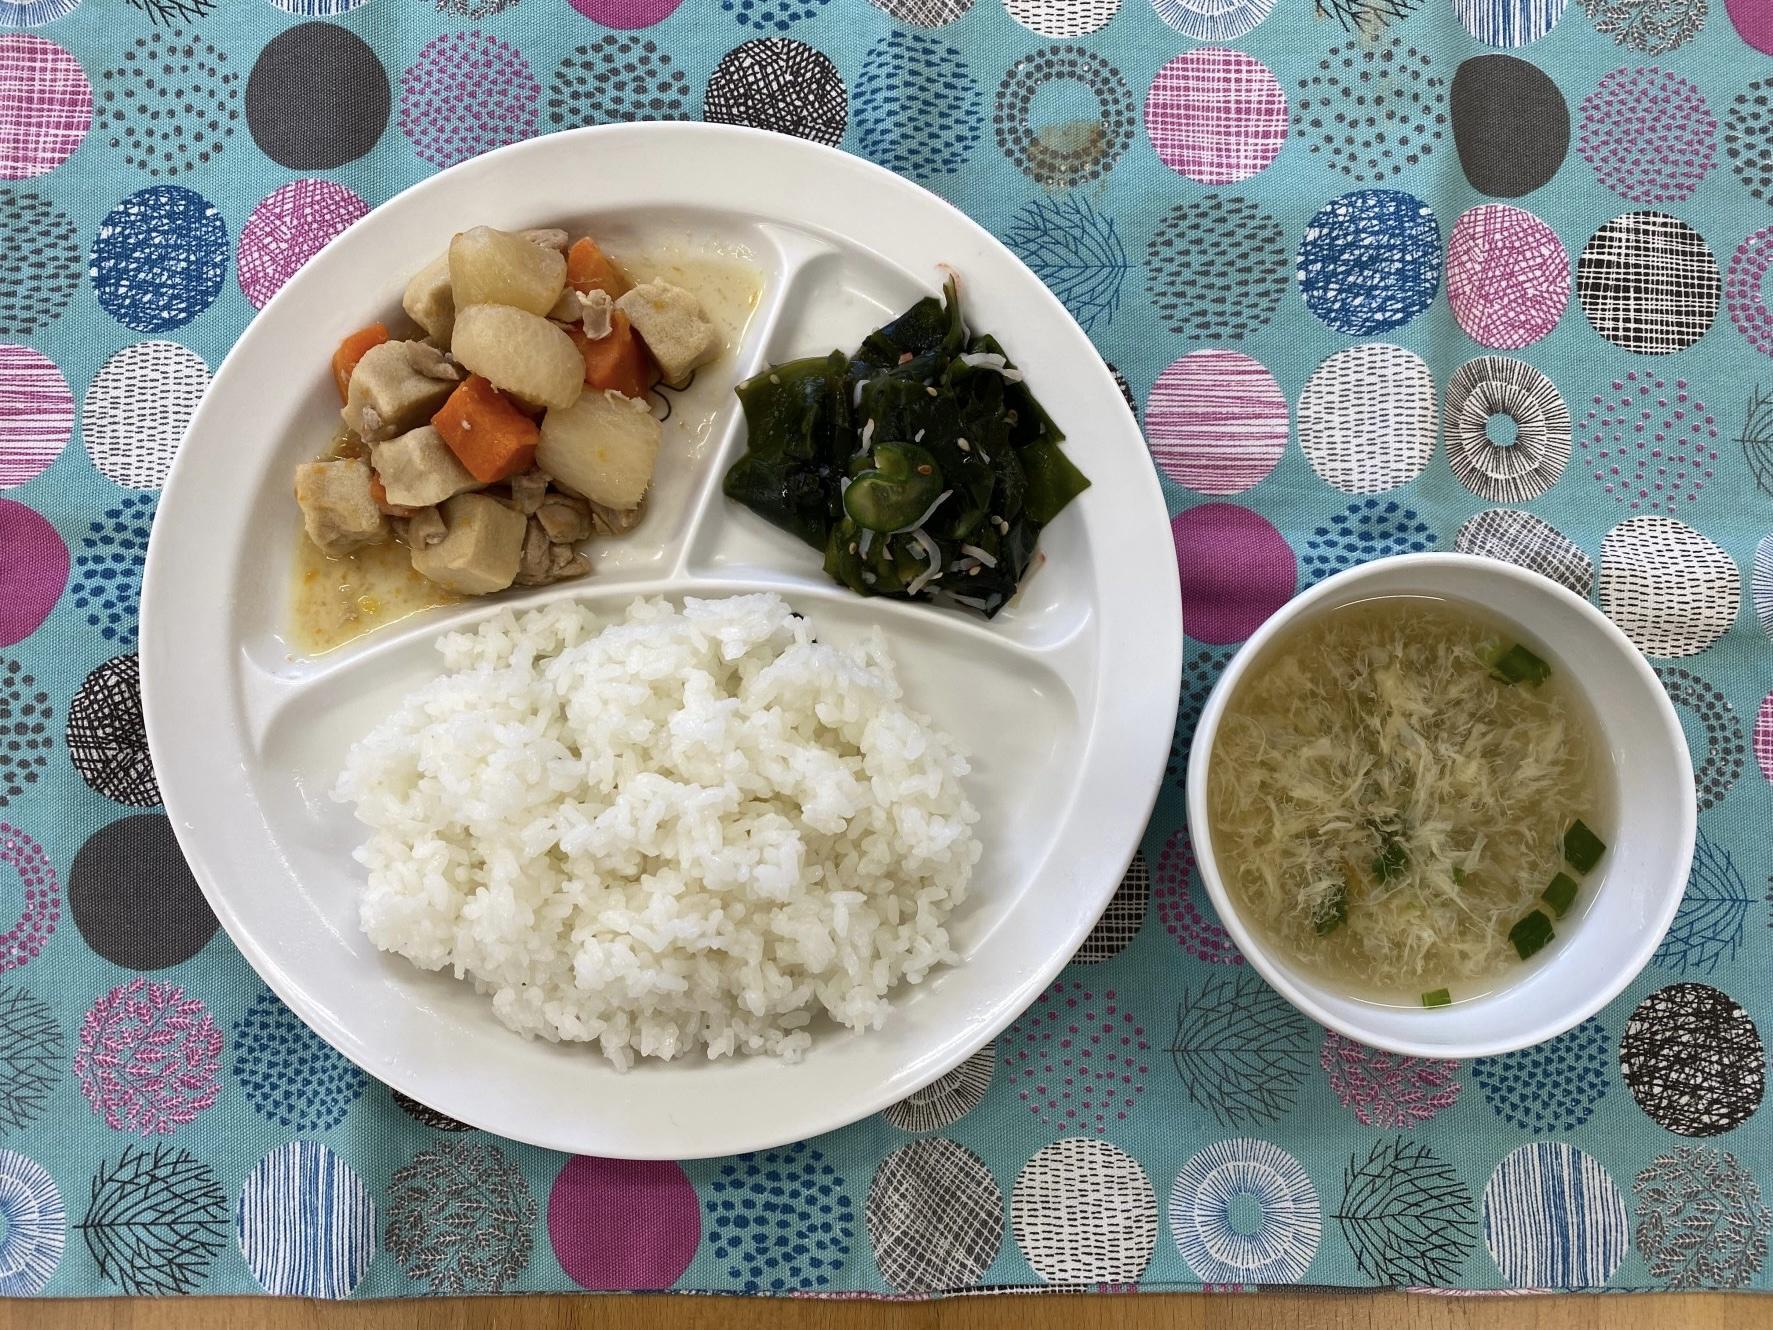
(778, 1220)
(108, 569)
(30, 1057)
(41, 895)
(777, 14)
(590, 1222)
(1514, 469)
(1693, 1060)
(948, 1098)
(1508, 276)
(1216, 116)
(1745, 291)
(155, 1222)
(1372, 111)
(133, 897)
(779, 84)
(40, 250)
(1671, 590)
(617, 77)
(1121, 921)
(1763, 737)
(1554, 1219)
(288, 1073)
(317, 97)
(1217, 268)
(1199, 673)
(1709, 925)
(1717, 769)
(1649, 135)
(1213, 20)
(1748, 138)
(106, 738)
(1224, 600)
(36, 414)
(1701, 1223)
(1509, 22)
(1406, 1214)
(1188, 916)
(306, 1223)
(424, 1114)
(924, 13)
(1530, 541)
(1064, 154)
(35, 13)
(1384, 1089)
(25, 734)
(1367, 418)
(934, 1216)
(45, 106)
(467, 93)
(1241, 1051)
(1648, 283)
(288, 228)
(1370, 261)
(159, 258)
(1760, 583)
(1649, 445)
(35, 1226)
(1511, 125)
(1551, 1087)
(918, 111)
(1652, 27)
(616, 13)
(1075, 249)
(136, 410)
(460, 1218)
(1222, 1243)
(171, 105)
(149, 1058)
(1062, 18)
(1078, 1060)
(1084, 1212)
(1365, 530)
(1216, 421)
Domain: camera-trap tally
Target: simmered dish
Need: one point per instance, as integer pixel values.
(1402, 797)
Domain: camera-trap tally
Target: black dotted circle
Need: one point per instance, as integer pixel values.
(425, 1115)
(41, 259)
(317, 98)
(1217, 268)
(779, 15)
(1693, 1060)
(782, 85)
(1064, 156)
(107, 741)
(26, 735)
(1372, 111)
(1726, 751)
(1748, 138)
(1199, 674)
(617, 77)
(170, 105)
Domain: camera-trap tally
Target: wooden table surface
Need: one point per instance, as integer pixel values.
(1265, 1311)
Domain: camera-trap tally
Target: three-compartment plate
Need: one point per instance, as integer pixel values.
(1066, 699)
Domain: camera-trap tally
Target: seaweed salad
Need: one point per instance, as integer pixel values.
(921, 466)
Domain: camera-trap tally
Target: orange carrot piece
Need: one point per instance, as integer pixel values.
(619, 360)
(351, 350)
(486, 432)
(588, 268)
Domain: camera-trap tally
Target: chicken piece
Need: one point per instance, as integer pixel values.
(429, 300)
(528, 489)
(338, 510)
(481, 549)
(389, 394)
(615, 521)
(603, 446)
(548, 237)
(596, 311)
(425, 528)
(418, 469)
(545, 560)
(671, 323)
(565, 517)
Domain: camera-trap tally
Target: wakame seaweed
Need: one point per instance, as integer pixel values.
(921, 466)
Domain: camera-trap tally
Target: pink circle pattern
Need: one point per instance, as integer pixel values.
(287, 229)
(1648, 134)
(45, 106)
(1508, 276)
(466, 94)
(1216, 115)
(1236, 571)
(1745, 290)
(33, 570)
(626, 13)
(149, 1057)
(1217, 421)
(43, 898)
(1078, 1061)
(1753, 20)
(36, 414)
(592, 1209)
(1172, 891)
(1763, 737)
(1651, 447)
(1387, 1090)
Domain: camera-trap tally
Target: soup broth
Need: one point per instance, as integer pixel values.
(1390, 798)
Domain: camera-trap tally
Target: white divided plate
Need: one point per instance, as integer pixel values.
(1067, 699)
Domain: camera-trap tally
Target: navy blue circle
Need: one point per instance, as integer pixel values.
(1365, 530)
(106, 584)
(159, 258)
(1370, 261)
(918, 111)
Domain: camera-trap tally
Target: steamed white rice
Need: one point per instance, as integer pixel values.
(685, 829)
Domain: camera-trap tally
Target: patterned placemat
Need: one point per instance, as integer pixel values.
(1378, 275)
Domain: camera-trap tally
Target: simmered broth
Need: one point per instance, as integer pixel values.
(1392, 792)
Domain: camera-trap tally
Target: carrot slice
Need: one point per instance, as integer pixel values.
(351, 350)
(379, 492)
(619, 360)
(588, 268)
(486, 432)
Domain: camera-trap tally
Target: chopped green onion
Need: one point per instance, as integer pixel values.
(1439, 998)
(1518, 665)
(1332, 914)
(1582, 847)
(1390, 861)
(1531, 933)
(1561, 894)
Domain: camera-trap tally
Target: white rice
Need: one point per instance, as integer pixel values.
(685, 829)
